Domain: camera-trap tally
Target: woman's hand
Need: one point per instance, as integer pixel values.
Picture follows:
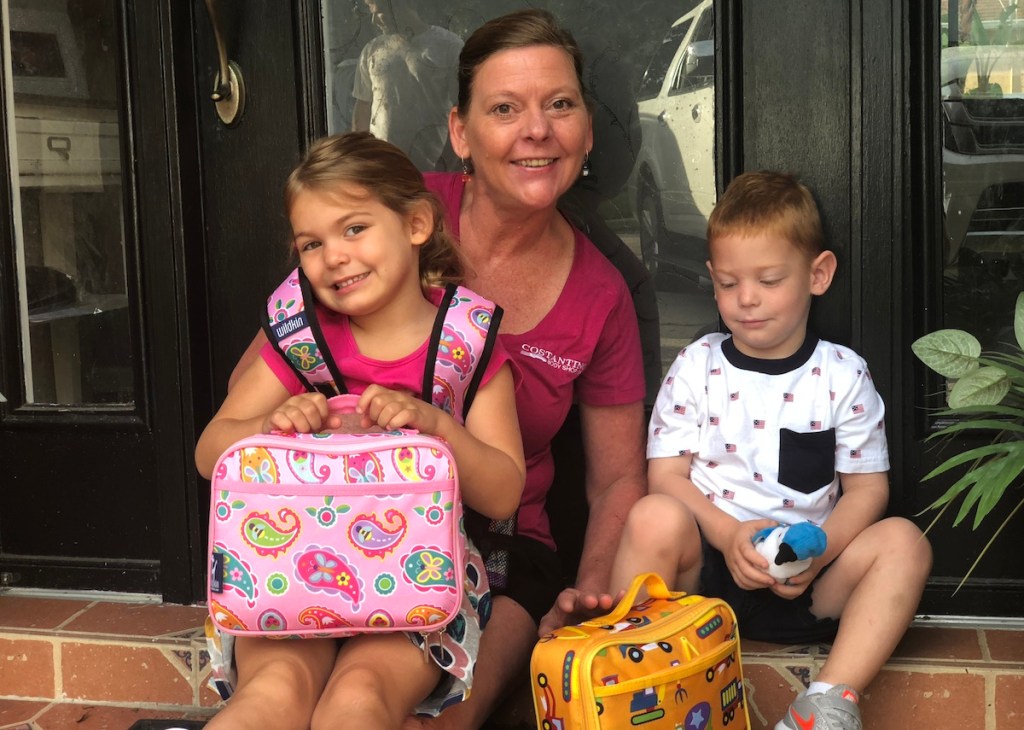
(303, 413)
(391, 409)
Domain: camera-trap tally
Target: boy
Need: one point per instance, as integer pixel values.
(772, 425)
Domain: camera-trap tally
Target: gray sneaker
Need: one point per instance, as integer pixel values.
(834, 710)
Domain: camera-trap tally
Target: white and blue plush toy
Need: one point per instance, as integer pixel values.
(790, 548)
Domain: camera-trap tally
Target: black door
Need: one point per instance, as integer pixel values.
(96, 424)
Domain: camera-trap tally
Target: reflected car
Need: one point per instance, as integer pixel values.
(983, 180)
(672, 184)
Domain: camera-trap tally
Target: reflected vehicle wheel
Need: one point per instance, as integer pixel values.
(652, 230)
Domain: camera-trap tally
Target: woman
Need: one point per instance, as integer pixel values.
(523, 131)
(522, 126)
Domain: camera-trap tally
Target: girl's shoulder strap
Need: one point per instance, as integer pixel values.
(461, 343)
(290, 323)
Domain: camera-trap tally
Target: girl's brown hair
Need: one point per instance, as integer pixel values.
(769, 202)
(523, 28)
(360, 160)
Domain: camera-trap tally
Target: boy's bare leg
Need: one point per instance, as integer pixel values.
(505, 647)
(660, 536)
(874, 587)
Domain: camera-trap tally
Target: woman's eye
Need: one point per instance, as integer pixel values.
(562, 104)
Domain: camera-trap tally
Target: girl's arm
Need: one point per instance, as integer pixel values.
(488, 449)
(258, 403)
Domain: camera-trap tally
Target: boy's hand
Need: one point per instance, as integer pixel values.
(747, 566)
(391, 409)
(797, 584)
(303, 413)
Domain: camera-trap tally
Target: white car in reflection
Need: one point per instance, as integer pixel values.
(672, 185)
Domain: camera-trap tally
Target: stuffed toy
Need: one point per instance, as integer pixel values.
(790, 548)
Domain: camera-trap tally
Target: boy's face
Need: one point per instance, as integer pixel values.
(763, 287)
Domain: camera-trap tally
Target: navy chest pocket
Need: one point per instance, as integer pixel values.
(807, 461)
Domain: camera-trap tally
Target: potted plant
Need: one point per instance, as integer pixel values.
(987, 396)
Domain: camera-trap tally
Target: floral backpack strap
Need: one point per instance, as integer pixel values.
(464, 333)
(291, 324)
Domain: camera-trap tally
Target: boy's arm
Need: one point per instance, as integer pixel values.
(671, 476)
(865, 498)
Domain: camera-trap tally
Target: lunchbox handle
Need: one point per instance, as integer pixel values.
(656, 588)
(343, 404)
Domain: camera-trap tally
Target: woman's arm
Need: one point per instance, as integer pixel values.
(613, 448)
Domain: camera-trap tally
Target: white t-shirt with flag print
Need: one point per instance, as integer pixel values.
(769, 438)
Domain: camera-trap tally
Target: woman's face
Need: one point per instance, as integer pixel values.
(526, 128)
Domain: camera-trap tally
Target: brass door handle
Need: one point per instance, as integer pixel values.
(229, 87)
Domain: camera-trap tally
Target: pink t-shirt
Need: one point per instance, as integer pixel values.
(586, 349)
(360, 371)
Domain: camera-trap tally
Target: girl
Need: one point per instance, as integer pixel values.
(369, 237)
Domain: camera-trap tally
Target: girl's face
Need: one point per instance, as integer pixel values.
(359, 255)
(526, 127)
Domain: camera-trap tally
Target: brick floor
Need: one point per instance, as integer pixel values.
(95, 664)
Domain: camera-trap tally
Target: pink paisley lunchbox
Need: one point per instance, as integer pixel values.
(334, 534)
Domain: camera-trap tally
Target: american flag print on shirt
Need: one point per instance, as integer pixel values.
(858, 408)
(787, 397)
(758, 423)
(815, 425)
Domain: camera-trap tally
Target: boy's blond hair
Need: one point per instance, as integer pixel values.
(769, 202)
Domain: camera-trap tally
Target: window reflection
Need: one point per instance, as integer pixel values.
(982, 113)
(650, 75)
(66, 170)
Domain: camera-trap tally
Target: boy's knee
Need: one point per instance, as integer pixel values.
(902, 539)
(671, 517)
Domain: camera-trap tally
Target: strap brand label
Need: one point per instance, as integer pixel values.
(287, 326)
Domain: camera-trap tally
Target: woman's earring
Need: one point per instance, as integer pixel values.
(586, 165)
(466, 172)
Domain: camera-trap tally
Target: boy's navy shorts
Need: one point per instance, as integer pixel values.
(761, 614)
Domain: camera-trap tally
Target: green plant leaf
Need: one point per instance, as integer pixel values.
(997, 410)
(950, 353)
(954, 491)
(991, 424)
(983, 387)
(1008, 471)
(1018, 320)
(969, 455)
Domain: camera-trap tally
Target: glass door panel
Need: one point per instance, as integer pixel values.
(66, 144)
(391, 67)
(982, 113)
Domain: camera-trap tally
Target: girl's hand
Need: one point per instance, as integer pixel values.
(391, 409)
(748, 567)
(303, 413)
